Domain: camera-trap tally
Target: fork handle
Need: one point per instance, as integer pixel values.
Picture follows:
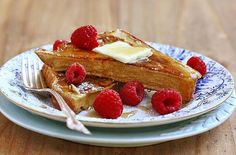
(71, 120)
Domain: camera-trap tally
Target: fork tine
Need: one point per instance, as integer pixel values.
(30, 72)
(36, 71)
(23, 70)
(41, 80)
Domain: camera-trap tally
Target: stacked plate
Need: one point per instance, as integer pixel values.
(214, 101)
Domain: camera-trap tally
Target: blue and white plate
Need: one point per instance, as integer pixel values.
(211, 90)
(122, 137)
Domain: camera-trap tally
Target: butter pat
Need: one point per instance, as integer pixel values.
(124, 52)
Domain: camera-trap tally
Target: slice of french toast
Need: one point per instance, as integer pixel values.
(159, 71)
(77, 97)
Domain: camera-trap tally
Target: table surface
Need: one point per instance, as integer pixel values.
(207, 26)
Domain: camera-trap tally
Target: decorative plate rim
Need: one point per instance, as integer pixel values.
(100, 141)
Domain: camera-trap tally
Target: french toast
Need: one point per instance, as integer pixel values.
(78, 97)
(158, 71)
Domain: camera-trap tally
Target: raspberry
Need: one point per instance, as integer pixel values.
(166, 101)
(132, 93)
(75, 74)
(57, 43)
(90, 44)
(85, 37)
(108, 104)
(198, 64)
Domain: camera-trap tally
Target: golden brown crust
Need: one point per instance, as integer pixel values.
(54, 103)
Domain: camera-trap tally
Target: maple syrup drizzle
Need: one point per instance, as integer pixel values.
(128, 114)
(92, 113)
(144, 108)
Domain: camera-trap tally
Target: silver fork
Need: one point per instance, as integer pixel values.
(34, 81)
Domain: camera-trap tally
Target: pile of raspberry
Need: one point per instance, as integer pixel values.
(109, 103)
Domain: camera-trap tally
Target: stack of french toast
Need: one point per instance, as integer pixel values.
(105, 72)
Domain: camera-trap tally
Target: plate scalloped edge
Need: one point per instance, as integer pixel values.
(173, 131)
